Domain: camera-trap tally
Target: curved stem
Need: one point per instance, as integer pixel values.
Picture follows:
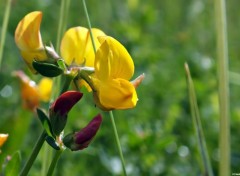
(4, 28)
(54, 162)
(34, 154)
(118, 142)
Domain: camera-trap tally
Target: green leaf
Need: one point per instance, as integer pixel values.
(45, 121)
(13, 166)
(47, 69)
(51, 141)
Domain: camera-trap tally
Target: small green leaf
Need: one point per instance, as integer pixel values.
(45, 121)
(50, 140)
(13, 166)
(47, 69)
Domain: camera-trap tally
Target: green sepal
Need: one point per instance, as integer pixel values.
(51, 141)
(13, 165)
(45, 122)
(58, 123)
(47, 69)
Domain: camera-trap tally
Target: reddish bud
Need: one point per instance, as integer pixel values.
(60, 108)
(80, 140)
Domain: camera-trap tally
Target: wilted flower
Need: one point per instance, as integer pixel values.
(31, 93)
(3, 138)
(59, 110)
(29, 40)
(114, 68)
(80, 140)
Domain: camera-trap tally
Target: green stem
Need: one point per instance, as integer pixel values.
(223, 79)
(118, 142)
(61, 28)
(34, 154)
(89, 25)
(111, 114)
(54, 162)
(4, 28)
(207, 168)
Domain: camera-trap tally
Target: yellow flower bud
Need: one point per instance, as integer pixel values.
(28, 39)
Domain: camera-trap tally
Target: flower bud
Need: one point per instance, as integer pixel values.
(59, 110)
(80, 140)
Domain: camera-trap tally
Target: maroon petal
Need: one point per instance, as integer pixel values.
(84, 137)
(65, 102)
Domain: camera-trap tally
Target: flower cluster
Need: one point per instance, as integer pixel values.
(111, 67)
(88, 57)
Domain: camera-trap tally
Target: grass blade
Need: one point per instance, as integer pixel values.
(207, 168)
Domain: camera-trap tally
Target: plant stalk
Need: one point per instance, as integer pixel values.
(54, 162)
(118, 142)
(34, 154)
(223, 79)
(4, 29)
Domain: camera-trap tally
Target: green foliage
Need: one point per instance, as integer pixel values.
(157, 136)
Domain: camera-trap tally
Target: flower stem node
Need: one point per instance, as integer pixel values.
(80, 140)
(59, 110)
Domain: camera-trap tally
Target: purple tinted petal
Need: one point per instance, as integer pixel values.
(66, 101)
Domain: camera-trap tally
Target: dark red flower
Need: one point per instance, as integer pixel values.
(80, 140)
(59, 110)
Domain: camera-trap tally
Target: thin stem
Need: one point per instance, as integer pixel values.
(54, 162)
(207, 168)
(118, 142)
(223, 79)
(61, 28)
(4, 28)
(60, 25)
(89, 25)
(34, 154)
(45, 158)
(111, 114)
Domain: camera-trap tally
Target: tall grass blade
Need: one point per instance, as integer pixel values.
(207, 168)
(223, 81)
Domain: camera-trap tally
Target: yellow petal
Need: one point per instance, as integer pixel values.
(28, 38)
(45, 89)
(29, 56)
(29, 91)
(76, 46)
(115, 94)
(113, 60)
(3, 138)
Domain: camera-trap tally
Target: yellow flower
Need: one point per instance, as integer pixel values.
(76, 46)
(31, 93)
(77, 49)
(28, 39)
(45, 89)
(114, 68)
(3, 138)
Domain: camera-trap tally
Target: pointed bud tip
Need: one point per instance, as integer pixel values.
(66, 101)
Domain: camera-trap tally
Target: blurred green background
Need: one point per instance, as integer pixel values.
(157, 136)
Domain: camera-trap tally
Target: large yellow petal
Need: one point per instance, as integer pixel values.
(27, 34)
(28, 39)
(113, 60)
(115, 94)
(73, 45)
(76, 46)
